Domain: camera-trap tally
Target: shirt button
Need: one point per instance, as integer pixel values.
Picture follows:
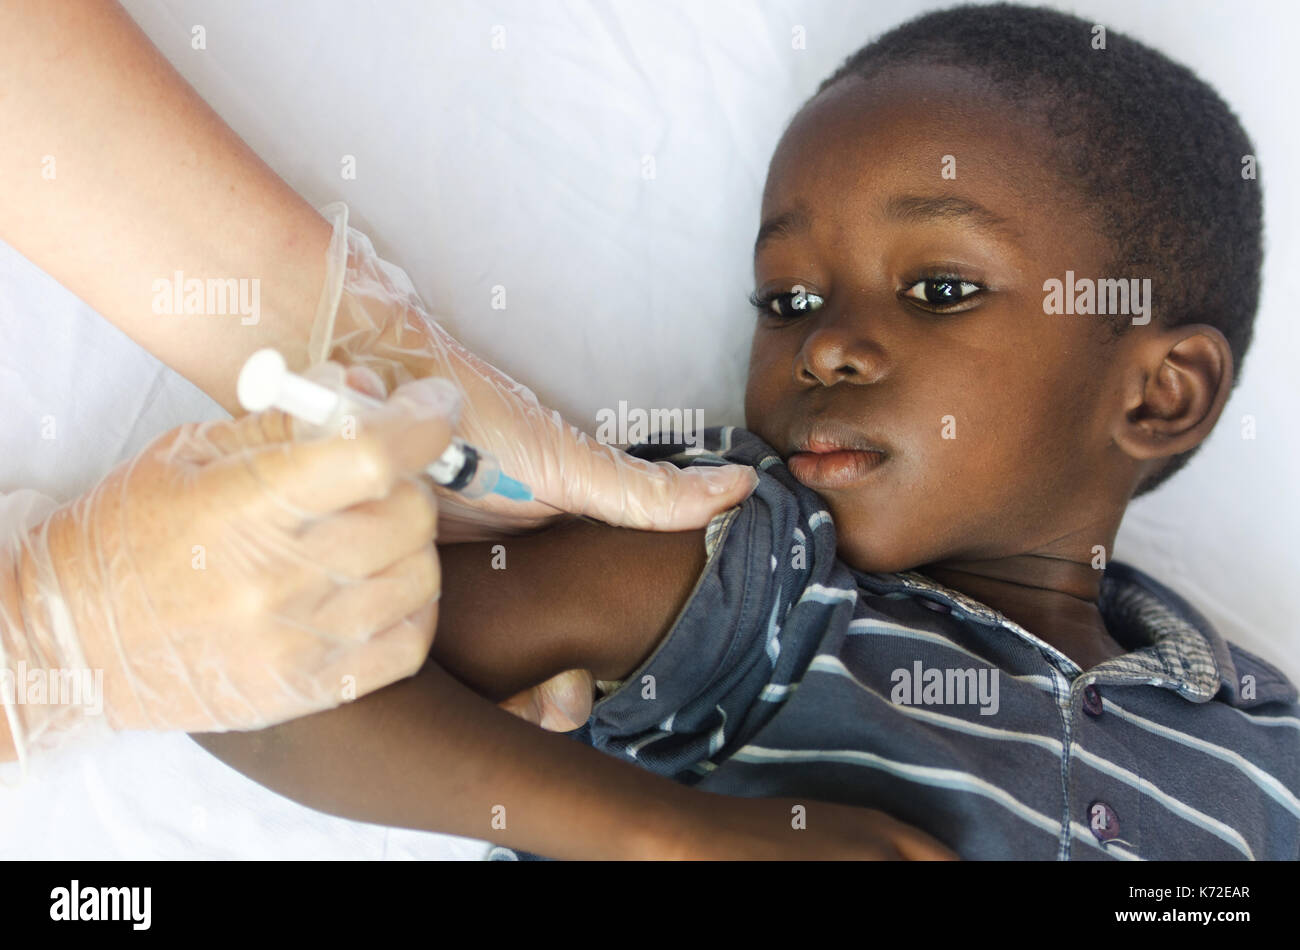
(936, 606)
(1092, 700)
(1103, 821)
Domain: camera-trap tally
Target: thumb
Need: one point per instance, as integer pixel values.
(205, 441)
(608, 484)
(365, 380)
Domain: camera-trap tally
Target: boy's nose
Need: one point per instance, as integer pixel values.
(836, 352)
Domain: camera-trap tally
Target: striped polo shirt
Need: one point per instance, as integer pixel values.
(790, 674)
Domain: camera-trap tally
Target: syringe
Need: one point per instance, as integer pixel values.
(265, 382)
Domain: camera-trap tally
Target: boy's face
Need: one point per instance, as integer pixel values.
(994, 418)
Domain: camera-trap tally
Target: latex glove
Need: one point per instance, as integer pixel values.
(371, 317)
(229, 577)
(561, 704)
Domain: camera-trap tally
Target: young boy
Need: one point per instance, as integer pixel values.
(1006, 273)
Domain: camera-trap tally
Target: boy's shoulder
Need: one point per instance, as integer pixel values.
(1257, 681)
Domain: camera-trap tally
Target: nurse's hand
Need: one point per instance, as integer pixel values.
(374, 323)
(232, 577)
(380, 327)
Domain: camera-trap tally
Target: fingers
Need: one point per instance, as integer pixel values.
(366, 538)
(365, 380)
(526, 705)
(391, 655)
(230, 436)
(565, 700)
(311, 478)
(355, 611)
(701, 492)
(561, 704)
(605, 483)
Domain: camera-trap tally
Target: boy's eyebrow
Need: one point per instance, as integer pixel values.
(795, 221)
(917, 208)
(905, 208)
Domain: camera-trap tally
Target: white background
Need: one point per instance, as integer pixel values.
(523, 167)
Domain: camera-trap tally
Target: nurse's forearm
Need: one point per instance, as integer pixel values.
(115, 175)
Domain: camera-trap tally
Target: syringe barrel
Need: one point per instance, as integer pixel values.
(464, 469)
(461, 467)
(265, 381)
(319, 405)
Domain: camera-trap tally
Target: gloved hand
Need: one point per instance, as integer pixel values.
(229, 577)
(372, 321)
(371, 317)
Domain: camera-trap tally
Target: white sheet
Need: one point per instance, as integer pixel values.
(524, 167)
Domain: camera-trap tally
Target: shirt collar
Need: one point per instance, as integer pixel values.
(1174, 646)
(1183, 648)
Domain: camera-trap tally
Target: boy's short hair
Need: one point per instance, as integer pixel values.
(1153, 148)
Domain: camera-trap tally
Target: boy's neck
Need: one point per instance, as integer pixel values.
(1052, 597)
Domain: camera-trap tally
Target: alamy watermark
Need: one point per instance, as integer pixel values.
(79, 902)
(1104, 296)
(215, 296)
(57, 687)
(656, 426)
(953, 686)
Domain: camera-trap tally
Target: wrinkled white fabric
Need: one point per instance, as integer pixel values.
(604, 168)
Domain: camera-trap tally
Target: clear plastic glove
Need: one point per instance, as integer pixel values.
(371, 317)
(561, 704)
(230, 577)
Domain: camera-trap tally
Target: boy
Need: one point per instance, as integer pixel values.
(916, 612)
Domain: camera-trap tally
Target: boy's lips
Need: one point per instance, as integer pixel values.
(834, 455)
(833, 469)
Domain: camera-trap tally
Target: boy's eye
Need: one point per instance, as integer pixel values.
(797, 302)
(942, 291)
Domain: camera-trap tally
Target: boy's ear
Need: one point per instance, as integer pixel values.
(1177, 387)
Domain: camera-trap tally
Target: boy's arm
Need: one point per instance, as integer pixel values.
(429, 753)
(579, 595)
